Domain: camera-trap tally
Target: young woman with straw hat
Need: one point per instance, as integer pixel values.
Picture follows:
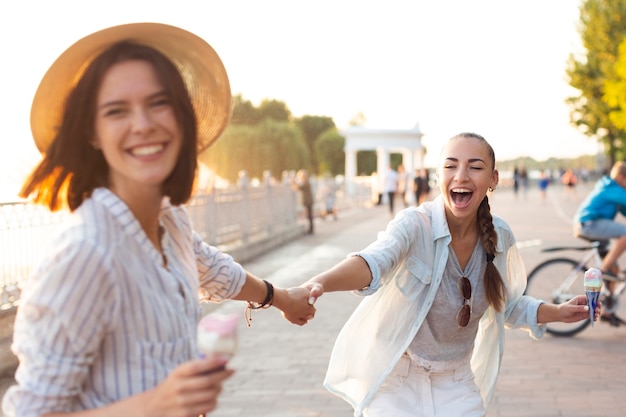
(107, 323)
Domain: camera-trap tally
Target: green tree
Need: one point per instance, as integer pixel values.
(615, 90)
(275, 110)
(329, 151)
(395, 159)
(312, 127)
(226, 157)
(267, 138)
(270, 145)
(244, 112)
(284, 147)
(366, 162)
(602, 29)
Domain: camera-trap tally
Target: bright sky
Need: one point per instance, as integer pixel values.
(489, 66)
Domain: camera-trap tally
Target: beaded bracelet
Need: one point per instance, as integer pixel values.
(253, 305)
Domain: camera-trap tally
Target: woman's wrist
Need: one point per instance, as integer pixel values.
(281, 296)
(547, 313)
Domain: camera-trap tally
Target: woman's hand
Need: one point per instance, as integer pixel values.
(568, 312)
(191, 389)
(294, 304)
(576, 309)
(315, 290)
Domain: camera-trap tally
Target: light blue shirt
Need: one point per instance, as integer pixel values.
(604, 202)
(102, 319)
(407, 262)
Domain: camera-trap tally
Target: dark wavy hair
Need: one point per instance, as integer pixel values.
(71, 168)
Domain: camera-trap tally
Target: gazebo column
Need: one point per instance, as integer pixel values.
(382, 163)
(409, 168)
(419, 158)
(351, 155)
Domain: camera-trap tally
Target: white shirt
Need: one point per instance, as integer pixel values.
(391, 181)
(102, 319)
(407, 262)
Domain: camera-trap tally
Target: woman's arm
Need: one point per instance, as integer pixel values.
(352, 273)
(571, 311)
(292, 302)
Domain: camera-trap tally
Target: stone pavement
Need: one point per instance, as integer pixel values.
(280, 366)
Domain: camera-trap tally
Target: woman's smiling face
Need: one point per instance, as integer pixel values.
(466, 171)
(136, 128)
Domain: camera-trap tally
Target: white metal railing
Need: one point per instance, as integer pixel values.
(230, 219)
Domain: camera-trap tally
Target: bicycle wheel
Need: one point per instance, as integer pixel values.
(549, 282)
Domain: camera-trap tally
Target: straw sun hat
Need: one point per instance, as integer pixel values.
(199, 65)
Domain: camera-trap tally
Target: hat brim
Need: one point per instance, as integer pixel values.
(198, 63)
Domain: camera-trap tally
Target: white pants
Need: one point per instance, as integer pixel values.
(419, 390)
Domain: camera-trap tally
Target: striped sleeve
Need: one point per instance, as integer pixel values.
(68, 308)
(220, 276)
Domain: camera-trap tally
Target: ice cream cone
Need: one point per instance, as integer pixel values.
(593, 284)
(217, 334)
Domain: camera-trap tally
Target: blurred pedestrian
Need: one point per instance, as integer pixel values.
(516, 181)
(377, 195)
(523, 175)
(569, 180)
(544, 181)
(391, 187)
(421, 186)
(328, 193)
(403, 183)
(303, 184)
(107, 321)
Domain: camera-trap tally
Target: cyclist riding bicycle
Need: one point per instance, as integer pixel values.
(595, 220)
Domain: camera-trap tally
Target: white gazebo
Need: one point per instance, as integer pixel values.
(384, 142)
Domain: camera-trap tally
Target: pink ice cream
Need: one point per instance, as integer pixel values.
(217, 334)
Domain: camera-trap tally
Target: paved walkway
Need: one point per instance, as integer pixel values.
(280, 367)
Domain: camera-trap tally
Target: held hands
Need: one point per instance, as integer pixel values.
(308, 294)
(315, 291)
(296, 307)
(191, 389)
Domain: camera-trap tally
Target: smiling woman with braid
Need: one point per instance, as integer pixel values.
(443, 281)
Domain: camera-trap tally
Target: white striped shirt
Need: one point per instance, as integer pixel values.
(102, 319)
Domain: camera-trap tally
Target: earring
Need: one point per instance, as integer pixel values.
(491, 189)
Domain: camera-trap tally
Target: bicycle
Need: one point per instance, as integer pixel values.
(560, 279)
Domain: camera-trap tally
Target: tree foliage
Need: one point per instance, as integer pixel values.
(285, 148)
(312, 128)
(615, 90)
(366, 162)
(268, 138)
(329, 150)
(274, 110)
(271, 145)
(602, 29)
(244, 112)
